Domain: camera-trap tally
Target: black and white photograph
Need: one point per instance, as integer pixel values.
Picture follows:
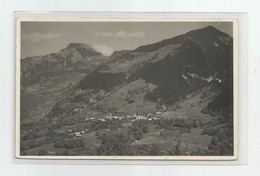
(115, 88)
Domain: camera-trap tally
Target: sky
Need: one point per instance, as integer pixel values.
(41, 38)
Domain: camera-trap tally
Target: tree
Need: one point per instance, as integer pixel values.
(210, 146)
(42, 152)
(155, 150)
(145, 128)
(114, 144)
(179, 149)
(138, 133)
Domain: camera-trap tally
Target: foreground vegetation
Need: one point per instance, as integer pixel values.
(129, 136)
(183, 129)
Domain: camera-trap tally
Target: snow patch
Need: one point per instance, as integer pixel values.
(218, 80)
(216, 45)
(194, 75)
(208, 79)
(186, 78)
(225, 40)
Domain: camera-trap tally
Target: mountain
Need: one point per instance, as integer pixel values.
(173, 97)
(76, 56)
(153, 76)
(45, 78)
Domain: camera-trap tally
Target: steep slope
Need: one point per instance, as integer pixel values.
(204, 55)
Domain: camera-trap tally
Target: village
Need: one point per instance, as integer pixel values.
(127, 118)
(91, 131)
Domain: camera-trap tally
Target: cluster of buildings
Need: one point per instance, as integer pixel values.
(132, 118)
(77, 133)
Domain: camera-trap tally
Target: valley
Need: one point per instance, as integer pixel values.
(170, 98)
(162, 130)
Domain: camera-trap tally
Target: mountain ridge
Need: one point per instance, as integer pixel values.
(170, 98)
(175, 68)
(76, 56)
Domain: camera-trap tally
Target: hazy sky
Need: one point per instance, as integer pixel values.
(40, 38)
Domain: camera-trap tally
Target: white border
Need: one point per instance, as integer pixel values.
(123, 19)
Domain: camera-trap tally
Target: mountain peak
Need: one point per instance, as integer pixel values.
(210, 27)
(119, 53)
(83, 48)
(208, 30)
(78, 45)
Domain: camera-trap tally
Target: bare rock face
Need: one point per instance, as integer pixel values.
(78, 51)
(76, 56)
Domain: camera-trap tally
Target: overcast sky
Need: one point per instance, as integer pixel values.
(40, 38)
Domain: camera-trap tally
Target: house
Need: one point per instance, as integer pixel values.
(108, 117)
(92, 100)
(133, 142)
(77, 109)
(115, 117)
(143, 118)
(139, 117)
(149, 115)
(77, 134)
(27, 75)
(83, 132)
(69, 131)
